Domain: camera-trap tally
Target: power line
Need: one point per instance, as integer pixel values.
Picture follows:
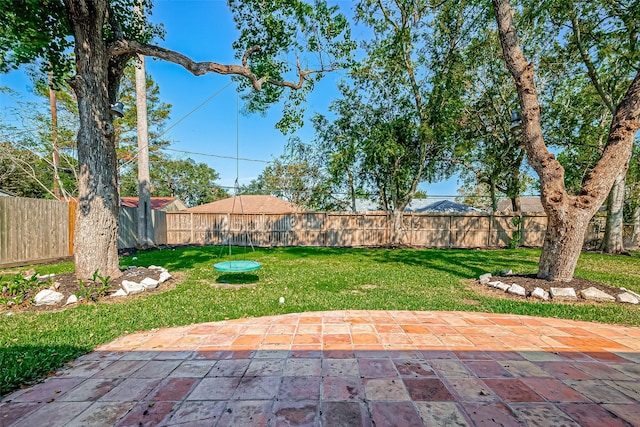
(215, 155)
(183, 118)
(196, 109)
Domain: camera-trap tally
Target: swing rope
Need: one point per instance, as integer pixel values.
(243, 265)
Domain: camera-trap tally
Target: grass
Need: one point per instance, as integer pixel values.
(310, 279)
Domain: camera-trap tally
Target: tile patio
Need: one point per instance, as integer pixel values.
(349, 368)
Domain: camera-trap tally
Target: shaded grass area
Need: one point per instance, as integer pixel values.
(310, 279)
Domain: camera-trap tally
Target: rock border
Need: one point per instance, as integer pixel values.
(51, 296)
(560, 294)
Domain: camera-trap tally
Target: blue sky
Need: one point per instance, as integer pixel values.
(204, 31)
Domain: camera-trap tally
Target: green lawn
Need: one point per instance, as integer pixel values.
(310, 279)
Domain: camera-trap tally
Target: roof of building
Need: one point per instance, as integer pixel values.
(248, 204)
(447, 206)
(430, 204)
(157, 203)
(527, 204)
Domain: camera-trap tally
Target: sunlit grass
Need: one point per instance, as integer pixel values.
(309, 279)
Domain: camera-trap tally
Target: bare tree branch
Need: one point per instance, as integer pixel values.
(128, 47)
(591, 69)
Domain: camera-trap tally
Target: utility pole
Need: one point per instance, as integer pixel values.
(54, 137)
(146, 236)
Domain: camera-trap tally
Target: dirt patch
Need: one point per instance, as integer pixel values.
(87, 291)
(530, 282)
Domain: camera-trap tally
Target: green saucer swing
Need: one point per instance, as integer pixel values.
(239, 266)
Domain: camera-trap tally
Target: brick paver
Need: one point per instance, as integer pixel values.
(349, 368)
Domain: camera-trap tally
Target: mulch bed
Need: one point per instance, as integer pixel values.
(68, 284)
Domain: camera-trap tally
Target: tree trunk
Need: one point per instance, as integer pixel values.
(613, 242)
(635, 238)
(396, 227)
(563, 243)
(515, 204)
(96, 232)
(352, 190)
(494, 197)
(145, 225)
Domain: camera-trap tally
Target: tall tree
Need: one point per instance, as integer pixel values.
(35, 139)
(568, 215)
(38, 140)
(585, 34)
(291, 178)
(338, 144)
(193, 183)
(126, 127)
(489, 148)
(412, 77)
(105, 35)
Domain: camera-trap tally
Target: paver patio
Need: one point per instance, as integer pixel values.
(349, 368)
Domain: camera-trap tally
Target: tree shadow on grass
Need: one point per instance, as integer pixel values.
(25, 364)
(464, 263)
(237, 278)
(176, 259)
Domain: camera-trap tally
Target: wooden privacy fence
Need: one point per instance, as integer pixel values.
(33, 230)
(371, 229)
(38, 230)
(128, 227)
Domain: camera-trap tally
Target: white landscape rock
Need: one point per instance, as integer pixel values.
(156, 267)
(499, 285)
(48, 297)
(485, 278)
(540, 294)
(71, 300)
(119, 293)
(132, 287)
(631, 292)
(567, 294)
(595, 294)
(149, 283)
(164, 276)
(517, 290)
(628, 298)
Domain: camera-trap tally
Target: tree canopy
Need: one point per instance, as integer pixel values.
(94, 40)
